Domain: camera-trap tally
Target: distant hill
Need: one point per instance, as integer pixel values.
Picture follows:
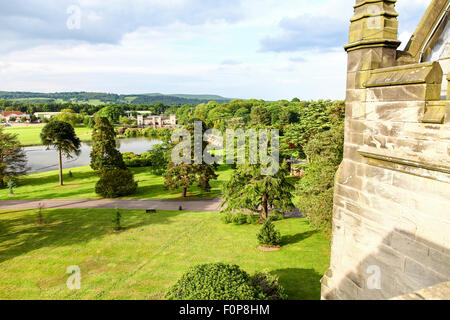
(103, 98)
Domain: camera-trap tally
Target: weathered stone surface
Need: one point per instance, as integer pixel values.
(435, 112)
(422, 274)
(422, 73)
(438, 292)
(409, 111)
(392, 191)
(413, 92)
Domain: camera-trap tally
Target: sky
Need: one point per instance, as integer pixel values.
(263, 49)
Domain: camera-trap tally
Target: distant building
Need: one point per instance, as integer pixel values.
(13, 116)
(157, 122)
(46, 115)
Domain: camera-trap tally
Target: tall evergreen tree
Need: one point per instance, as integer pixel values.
(13, 160)
(104, 154)
(61, 135)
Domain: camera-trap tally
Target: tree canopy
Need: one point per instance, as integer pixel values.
(61, 135)
(104, 154)
(13, 160)
(248, 189)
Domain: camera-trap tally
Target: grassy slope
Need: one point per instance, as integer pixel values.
(30, 136)
(81, 186)
(148, 257)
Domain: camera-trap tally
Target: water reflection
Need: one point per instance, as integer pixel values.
(40, 159)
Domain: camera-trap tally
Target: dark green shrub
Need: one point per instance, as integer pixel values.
(116, 183)
(269, 285)
(219, 281)
(268, 236)
(116, 221)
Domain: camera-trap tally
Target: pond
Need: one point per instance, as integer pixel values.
(41, 160)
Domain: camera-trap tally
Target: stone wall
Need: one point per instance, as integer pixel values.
(391, 221)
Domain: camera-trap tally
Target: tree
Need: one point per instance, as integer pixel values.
(69, 116)
(13, 160)
(104, 154)
(314, 118)
(126, 120)
(185, 175)
(243, 113)
(61, 135)
(315, 190)
(268, 235)
(180, 176)
(112, 113)
(159, 158)
(260, 116)
(249, 190)
(288, 116)
(205, 173)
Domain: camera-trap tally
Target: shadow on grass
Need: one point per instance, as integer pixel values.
(20, 235)
(300, 284)
(54, 178)
(292, 239)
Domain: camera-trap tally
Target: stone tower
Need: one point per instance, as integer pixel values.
(391, 219)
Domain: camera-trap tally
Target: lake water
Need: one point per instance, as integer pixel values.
(40, 159)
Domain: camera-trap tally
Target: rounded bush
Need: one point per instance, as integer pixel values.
(216, 281)
(116, 183)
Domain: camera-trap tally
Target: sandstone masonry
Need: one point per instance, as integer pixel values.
(391, 221)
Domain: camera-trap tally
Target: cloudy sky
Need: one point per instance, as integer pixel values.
(265, 49)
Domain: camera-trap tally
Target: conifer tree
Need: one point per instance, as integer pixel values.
(104, 154)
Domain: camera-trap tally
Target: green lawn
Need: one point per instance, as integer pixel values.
(82, 184)
(30, 136)
(143, 261)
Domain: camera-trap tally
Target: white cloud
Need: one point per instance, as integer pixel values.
(182, 46)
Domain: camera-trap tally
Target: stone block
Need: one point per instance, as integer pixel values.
(413, 92)
(355, 95)
(420, 185)
(439, 261)
(408, 246)
(351, 153)
(347, 290)
(435, 112)
(422, 274)
(395, 111)
(422, 73)
(355, 125)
